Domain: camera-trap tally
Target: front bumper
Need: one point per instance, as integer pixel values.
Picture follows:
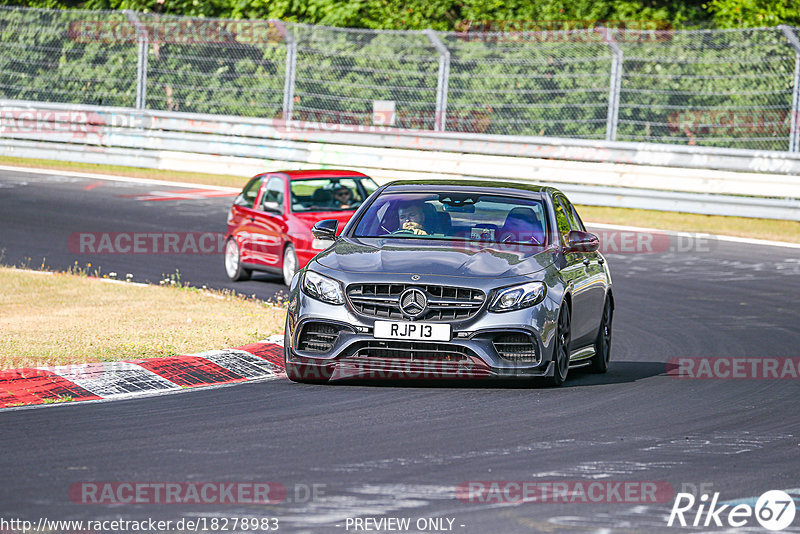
(471, 353)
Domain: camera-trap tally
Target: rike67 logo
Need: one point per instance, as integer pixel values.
(774, 510)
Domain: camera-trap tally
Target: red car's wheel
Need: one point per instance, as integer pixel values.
(289, 264)
(233, 262)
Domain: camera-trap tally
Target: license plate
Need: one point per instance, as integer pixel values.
(420, 331)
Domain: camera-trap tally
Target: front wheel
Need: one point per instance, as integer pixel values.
(602, 345)
(233, 262)
(289, 264)
(561, 348)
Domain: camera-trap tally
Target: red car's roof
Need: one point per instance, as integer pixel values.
(320, 173)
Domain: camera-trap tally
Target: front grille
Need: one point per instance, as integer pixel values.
(516, 347)
(412, 350)
(318, 337)
(445, 303)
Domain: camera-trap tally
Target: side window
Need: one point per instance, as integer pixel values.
(575, 222)
(562, 219)
(273, 194)
(577, 219)
(248, 195)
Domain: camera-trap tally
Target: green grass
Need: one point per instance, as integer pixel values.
(59, 399)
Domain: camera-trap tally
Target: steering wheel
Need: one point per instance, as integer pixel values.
(507, 238)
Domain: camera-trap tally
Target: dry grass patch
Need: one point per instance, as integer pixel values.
(774, 230)
(63, 318)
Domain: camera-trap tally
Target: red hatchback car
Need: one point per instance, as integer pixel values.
(269, 225)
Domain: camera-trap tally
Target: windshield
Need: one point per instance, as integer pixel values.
(463, 216)
(330, 194)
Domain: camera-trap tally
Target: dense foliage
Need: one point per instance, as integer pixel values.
(449, 14)
(731, 88)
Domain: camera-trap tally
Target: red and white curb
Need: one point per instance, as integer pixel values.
(115, 380)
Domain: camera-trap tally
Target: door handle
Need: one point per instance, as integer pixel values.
(601, 261)
(252, 219)
(586, 261)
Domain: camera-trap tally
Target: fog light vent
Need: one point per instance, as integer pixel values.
(318, 337)
(516, 347)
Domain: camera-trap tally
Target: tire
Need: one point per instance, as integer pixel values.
(602, 345)
(289, 264)
(233, 262)
(561, 347)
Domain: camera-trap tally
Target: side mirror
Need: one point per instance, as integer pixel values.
(325, 230)
(578, 241)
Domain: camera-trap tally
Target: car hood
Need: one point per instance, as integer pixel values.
(451, 258)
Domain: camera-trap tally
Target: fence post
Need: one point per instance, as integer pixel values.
(440, 122)
(291, 69)
(614, 85)
(794, 134)
(141, 63)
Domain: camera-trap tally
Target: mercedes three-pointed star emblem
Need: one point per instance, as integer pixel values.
(413, 302)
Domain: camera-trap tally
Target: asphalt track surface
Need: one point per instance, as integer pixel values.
(400, 450)
(39, 213)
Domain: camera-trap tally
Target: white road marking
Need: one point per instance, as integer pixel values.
(112, 379)
(242, 363)
(114, 178)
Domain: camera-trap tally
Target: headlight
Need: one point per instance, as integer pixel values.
(322, 288)
(517, 297)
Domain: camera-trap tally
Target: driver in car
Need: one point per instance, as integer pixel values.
(412, 218)
(343, 197)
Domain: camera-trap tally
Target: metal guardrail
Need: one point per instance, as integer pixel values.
(662, 177)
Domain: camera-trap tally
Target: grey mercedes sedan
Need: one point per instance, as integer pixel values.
(452, 279)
